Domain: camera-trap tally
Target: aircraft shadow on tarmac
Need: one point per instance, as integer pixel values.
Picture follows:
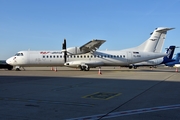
(31, 91)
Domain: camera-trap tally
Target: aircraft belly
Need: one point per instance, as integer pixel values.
(115, 62)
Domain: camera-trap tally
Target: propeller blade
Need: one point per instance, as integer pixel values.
(65, 51)
(64, 45)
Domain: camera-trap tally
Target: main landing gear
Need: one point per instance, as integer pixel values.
(84, 68)
(17, 68)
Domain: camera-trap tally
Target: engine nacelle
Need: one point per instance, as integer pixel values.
(75, 51)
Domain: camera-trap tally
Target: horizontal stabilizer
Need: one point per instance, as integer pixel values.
(164, 30)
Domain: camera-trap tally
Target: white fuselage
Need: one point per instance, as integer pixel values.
(98, 58)
(152, 62)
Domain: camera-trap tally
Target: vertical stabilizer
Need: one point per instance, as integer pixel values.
(170, 52)
(155, 42)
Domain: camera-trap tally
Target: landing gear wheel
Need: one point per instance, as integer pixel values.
(135, 67)
(81, 68)
(130, 67)
(17, 69)
(84, 68)
(87, 68)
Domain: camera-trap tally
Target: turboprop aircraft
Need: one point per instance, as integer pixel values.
(158, 61)
(46, 58)
(87, 57)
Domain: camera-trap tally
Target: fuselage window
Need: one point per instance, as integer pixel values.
(43, 56)
(74, 56)
(111, 56)
(88, 56)
(91, 56)
(81, 56)
(77, 56)
(47, 56)
(57, 56)
(50, 56)
(120, 56)
(114, 56)
(54, 56)
(60, 56)
(84, 56)
(124, 56)
(94, 56)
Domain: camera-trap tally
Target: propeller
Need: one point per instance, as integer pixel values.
(65, 50)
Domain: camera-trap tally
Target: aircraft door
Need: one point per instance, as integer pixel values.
(129, 57)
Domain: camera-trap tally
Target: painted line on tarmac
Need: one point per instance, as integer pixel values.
(129, 112)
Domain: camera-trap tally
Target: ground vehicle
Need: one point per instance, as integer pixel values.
(4, 65)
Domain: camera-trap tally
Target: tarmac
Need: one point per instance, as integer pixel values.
(70, 94)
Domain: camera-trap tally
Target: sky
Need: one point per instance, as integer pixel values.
(43, 24)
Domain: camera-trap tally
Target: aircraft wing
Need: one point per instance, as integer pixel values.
(92, 45)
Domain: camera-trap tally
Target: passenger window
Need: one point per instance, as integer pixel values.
(124, 56)
(47, 56)
(50, 56)
(43, 56)
(54, 56)
(57, 56)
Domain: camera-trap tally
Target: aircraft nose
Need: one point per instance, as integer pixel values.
(9, 61)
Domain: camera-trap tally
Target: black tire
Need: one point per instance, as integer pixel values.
(10, 68)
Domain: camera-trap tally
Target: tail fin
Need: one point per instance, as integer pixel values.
(155, 42)
(170, 52)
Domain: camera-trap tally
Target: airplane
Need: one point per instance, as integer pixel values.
(44, 58)
(87, 56)
(158, 61)
(175, 63)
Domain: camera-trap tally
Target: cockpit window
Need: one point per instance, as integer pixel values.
(19, 54)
